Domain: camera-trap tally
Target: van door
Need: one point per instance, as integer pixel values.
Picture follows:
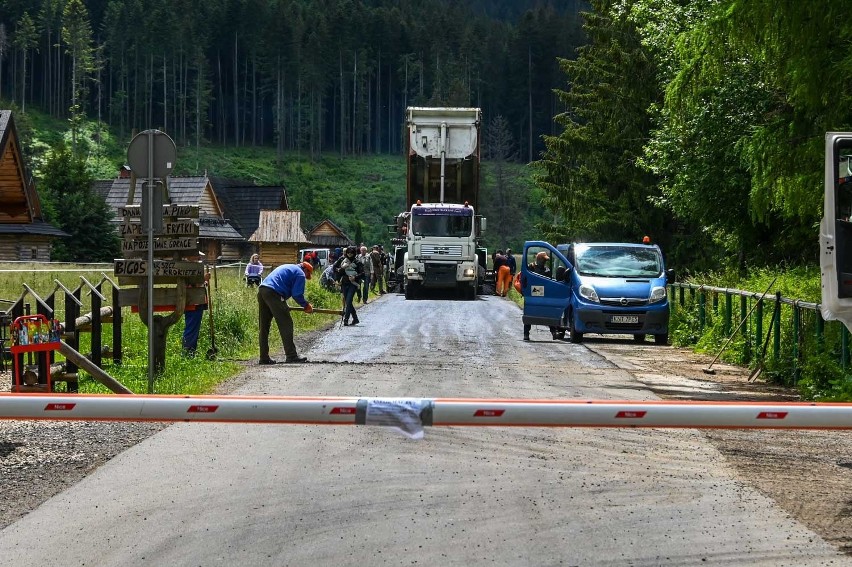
(545, 294)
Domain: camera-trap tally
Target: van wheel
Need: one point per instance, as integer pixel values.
(575, 337)
(640, 338)
(661, 339)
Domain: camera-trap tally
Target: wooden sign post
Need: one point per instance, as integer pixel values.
(177, 239)
(151, 156)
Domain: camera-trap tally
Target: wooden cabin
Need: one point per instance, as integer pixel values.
(243, 202)
(24, 234)
(230, 209)
(326, 234)
(279, 237)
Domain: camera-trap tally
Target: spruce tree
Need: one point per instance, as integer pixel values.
(70, 204)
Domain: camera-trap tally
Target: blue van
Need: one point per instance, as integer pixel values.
(605, 288)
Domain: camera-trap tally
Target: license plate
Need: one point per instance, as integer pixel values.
(624, 319)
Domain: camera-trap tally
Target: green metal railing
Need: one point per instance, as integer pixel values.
(790, 324)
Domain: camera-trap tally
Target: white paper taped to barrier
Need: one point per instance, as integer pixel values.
(404, 415)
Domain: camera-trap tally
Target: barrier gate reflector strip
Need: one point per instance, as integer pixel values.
(433, 411)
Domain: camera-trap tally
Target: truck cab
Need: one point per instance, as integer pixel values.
(608, 288)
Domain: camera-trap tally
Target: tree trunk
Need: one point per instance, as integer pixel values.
(529, 92)
(236, 93)
(342, 109)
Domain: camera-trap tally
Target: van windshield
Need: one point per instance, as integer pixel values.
(617, 261)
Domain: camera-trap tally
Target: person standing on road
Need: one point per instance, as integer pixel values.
(364, 258)
(281, 284)
(349, 272)
(511, 262)
(377, 270)
(502, 274)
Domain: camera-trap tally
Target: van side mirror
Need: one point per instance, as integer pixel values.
(670, 276)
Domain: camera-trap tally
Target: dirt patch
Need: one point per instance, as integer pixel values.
(808, 473)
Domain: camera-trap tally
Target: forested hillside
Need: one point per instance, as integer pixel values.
(698, 123)
(701, 123)
(316, 75)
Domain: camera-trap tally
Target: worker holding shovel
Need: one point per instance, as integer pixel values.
(284, 282)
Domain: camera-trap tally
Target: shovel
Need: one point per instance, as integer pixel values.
(317, 310)
(212, 351)
(709, 369)
(759, 369)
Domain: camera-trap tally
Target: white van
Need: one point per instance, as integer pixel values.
(322, 255)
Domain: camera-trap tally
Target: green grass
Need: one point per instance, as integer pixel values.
(235, 327)
(811, 363)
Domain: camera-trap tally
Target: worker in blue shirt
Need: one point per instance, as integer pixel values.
(283, 283)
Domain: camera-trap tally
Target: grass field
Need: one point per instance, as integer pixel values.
(234, 316)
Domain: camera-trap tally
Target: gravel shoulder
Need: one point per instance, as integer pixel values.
(808, 473)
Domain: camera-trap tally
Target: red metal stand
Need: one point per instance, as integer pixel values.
(41, 342)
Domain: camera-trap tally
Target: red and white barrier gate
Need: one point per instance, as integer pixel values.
(412, 413)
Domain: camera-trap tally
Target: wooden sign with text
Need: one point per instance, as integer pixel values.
(184, 211)
(167, 268)
(174, 228)
(160, 245)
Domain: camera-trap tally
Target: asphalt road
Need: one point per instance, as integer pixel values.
(232, 494)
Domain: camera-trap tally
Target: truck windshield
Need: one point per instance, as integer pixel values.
(441, 225)
(617, 261)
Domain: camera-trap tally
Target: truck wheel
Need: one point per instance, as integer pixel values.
(639, 338)
(409, 291)
(470, 293)
(661, 339)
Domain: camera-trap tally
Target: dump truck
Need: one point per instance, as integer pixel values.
(437, 237)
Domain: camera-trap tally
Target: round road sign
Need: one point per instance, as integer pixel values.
(164, 154)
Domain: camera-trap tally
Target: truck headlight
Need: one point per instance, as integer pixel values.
(588, 293)
(412, 270)
(468, 272)
(657, 294)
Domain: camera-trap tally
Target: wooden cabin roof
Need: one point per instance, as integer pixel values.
(20, 207)
(328, 234)
(243, 203)
(279, 226)
(193, 191)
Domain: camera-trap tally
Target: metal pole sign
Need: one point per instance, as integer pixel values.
(429, 412)
(151, 155)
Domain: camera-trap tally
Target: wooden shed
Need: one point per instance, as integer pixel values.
(24, 234)
(279, 237)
